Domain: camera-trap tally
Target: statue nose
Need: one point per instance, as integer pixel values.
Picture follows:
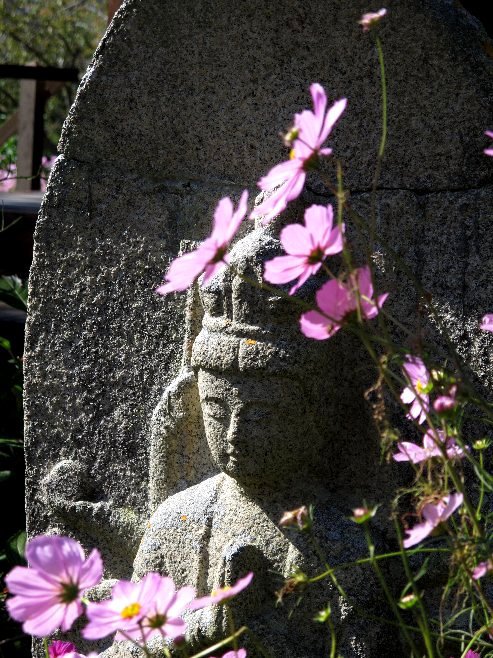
(233, 428)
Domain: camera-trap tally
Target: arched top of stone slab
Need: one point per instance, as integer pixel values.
(194, 89)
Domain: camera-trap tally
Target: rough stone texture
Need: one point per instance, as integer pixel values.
(175, 111)
(190, 99)
(103, 241)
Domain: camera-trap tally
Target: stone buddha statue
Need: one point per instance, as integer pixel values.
(259, 421)
(274, 417)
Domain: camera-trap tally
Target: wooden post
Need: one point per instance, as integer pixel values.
(113, 5)
(37, 84)
(32, 100)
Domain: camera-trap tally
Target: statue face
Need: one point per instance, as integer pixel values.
(257, 428)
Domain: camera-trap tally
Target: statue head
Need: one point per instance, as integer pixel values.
(269, 395)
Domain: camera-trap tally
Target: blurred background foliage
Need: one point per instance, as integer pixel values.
(62, 33)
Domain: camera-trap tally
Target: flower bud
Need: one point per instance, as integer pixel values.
(372, 18)
(299, 517)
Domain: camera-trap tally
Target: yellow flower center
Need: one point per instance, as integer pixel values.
(215, 592)
(420, 388)
(292, 154)
(130, 611)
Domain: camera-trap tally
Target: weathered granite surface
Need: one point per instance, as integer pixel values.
(181, 105)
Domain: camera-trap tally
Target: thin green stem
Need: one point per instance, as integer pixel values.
(367, 560)
(341, 202)
(383, 80)
(231, 624)
(473, 640)
(328, 271)
(45, 647)
(333, 638)
(385, 588)
(143, 647)
(410, 576)
(381, 148)
(459, 485)
(221, 644)
(482, 488)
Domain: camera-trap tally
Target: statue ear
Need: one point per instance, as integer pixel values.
(179, 455)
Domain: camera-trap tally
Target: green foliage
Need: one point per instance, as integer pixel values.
(8, 151)
(12, 532)
(14, 293)
(62, 33)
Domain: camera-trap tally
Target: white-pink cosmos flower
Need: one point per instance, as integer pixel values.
(367, 21)
(240, 653)
(211, 256)
(310, 131)
(487, 322)
(446, 402)
(222, 594)
(8, 178)
(307, 247)
(431, 448)
(128, 605)
(433, 515)
(163, 616)
(337, 300)
(48, 592)
(482, 569)
(489, 151)
(416, 394)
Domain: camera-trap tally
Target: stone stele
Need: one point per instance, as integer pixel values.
(208, 413)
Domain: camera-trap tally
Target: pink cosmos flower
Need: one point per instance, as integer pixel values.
(370, 19)
(48, 592)
(337, 300)
(128, 605)
(75, 654)
(416, 454)
(46, 166)
(416, 393)
(489, 151)
(8, 178)
(310, 131)
(487, 321)
(163, 614)
(222, 594)
(482, 569)
(307, 247)
(445, 403)
(241, 653)
(211, 256)
(433, 515)
(59, 648)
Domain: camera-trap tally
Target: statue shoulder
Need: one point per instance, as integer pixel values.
(197, 502)
(177, 533)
